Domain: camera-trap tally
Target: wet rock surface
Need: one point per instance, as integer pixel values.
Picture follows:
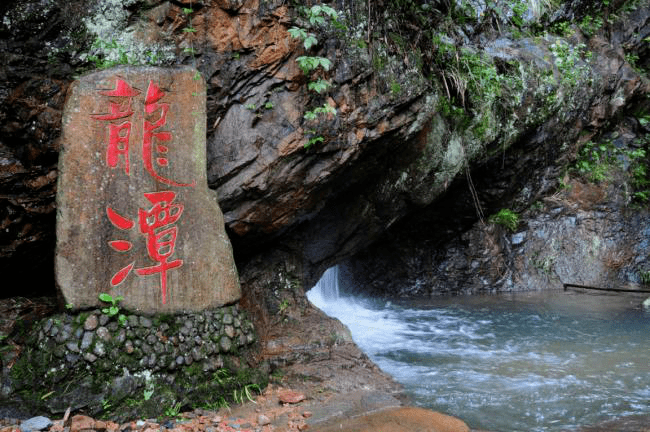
(585, 234)
(575, 225)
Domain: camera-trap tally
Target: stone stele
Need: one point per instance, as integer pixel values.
(135, 217)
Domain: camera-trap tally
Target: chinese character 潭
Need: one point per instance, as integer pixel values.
(157, 224)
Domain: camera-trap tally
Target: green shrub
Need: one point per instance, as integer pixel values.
(507, 218)
(645, 277)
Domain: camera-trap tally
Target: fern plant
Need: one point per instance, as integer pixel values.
(507, 218)
(317, 15)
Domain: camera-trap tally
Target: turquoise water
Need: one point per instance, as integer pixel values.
(548, 361)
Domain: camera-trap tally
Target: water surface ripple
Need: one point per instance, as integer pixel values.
(517, 362)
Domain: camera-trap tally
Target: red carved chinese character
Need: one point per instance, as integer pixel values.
(161, 237)
(118, 135)
(120, 245)
(157, 224)
(151, 105)
(118, 145)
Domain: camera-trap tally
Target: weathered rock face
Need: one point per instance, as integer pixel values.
(267, 181)
(32, 94)
(586, 232)
(135, 217)
(405, 133)
(557, 243)
(434, 251)
(386, 156)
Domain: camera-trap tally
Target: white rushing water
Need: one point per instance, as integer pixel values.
(518, 362)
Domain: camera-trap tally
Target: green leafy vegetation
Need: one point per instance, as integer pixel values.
(239, 386)
(114, 308)
(319, 86)
(544, 263)
(314, 140)
(514, 12)
(562, 28)
(571, 61)
(106, 404)
(632, 59)
(639, 175)
(245, 394)
(324, 109)
(595, 161)
(590, 25)
(599, 161)
(188, 11)
(111, 53)
(507, 218)
(395, 88)
(645, 277)
(476, 91)
(316, 16)
(283, 306)
(308, 63)
(174, 410)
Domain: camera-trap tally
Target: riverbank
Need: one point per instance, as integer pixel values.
(326, 384)
(271, 411)
(320, 381)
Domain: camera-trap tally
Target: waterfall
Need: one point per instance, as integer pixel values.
(326, 289)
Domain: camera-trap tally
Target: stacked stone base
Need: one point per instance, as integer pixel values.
(123, 365)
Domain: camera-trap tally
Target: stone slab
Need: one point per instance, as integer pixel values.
(135, 217)
(405, 419)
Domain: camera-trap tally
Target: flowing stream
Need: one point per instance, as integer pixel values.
(550, 361)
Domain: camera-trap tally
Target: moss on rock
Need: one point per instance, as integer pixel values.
(140, 368)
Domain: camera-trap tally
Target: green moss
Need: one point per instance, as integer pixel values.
(192, 387)
(507, 218)
(47, 382)
(484, 126)
(22, 369)
(118, 42)
(170, 319)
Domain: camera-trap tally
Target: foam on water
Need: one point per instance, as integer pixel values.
(526, 362)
